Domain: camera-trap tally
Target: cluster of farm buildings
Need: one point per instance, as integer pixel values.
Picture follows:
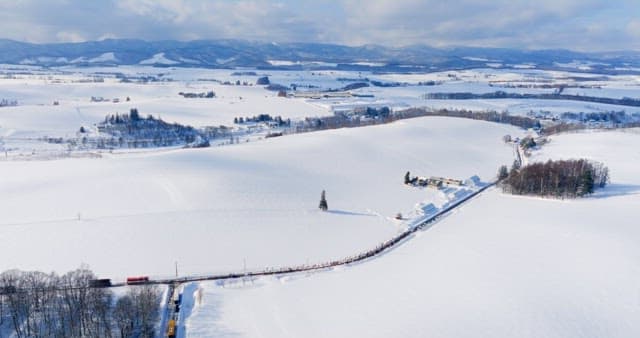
(434, 182)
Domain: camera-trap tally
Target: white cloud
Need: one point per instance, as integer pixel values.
(177, 11)
(633, 28)
(106, 36)
(463, 22)
(66, 36)
(575, 24)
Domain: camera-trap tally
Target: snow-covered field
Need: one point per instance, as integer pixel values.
(36, 115)
(214, 209)
(36, 89)
(498, 266)
(501, 266)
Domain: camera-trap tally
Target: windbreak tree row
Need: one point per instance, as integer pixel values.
(559, 179)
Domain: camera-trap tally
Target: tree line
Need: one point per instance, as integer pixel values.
(565, 127)
(625, 101)
(133, 131)
(203, 95)
(491, 116)
(262, 118)
(366, 116)
(559, 179)
(8, 103)
(616, 119)
(37, 304)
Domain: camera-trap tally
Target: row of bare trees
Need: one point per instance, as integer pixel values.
(37, 304)
(562, 127)
(560, 179)
(366, 116)
(491, 116)
(625, 101)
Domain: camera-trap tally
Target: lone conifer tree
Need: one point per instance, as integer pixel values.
(323, 202)
(407, 178)
(503, 172)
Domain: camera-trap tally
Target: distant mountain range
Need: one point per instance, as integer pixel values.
(239, 53)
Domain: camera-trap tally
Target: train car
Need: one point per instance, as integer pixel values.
(137, 280)
(171, 329)
(100, 283)
(177, 300)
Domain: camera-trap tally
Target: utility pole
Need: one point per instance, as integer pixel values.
(176, 269)
(244, 264)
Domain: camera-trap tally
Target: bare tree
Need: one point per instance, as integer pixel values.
(48, 305)
(137, 312)
(146, 300)
(123, 315)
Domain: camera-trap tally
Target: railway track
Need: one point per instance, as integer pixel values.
(169, 328)
(379, 249)
(170, 318)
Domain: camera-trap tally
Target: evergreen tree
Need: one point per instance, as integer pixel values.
(323, 202)
(515, 165)
(503, 172)
(407, 178)
(586, 183)
(134, 115)
(263, 81)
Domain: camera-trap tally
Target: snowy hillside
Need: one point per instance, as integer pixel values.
(104, 58)
(501, 266)
(158, 59)
(215, 209)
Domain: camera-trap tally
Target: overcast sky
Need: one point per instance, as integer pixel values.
(585, 25)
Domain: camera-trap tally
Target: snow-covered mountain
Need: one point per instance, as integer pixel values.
(236, 53)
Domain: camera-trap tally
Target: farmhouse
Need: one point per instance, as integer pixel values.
(435, 182)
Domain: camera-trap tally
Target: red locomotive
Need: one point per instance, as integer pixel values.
(137, 280)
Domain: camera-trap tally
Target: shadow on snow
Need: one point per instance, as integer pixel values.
(348, 213)
(612, 190)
